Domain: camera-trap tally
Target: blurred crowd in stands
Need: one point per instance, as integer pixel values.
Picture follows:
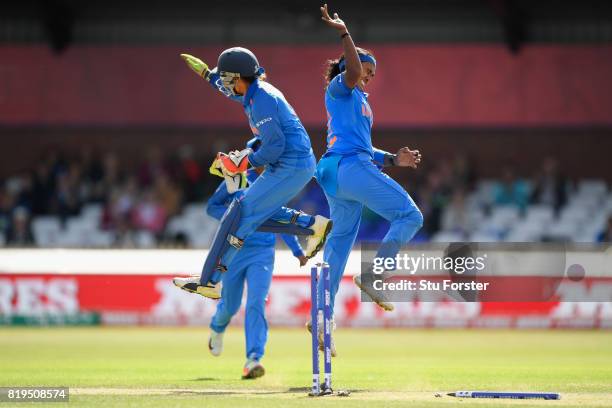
(135, 196)
(146, 195)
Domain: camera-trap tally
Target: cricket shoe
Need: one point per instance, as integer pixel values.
(192, 284)
(376, 296)
(332, 347)
(215, 343)
(321, 227)
(252, 369)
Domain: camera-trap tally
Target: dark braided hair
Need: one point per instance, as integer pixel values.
(333, 66)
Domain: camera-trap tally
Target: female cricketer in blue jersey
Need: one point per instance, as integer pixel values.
(348, 172)
(254, 265)
(285, 152)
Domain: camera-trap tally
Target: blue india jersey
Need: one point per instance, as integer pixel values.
(349, 119)
(273, 120)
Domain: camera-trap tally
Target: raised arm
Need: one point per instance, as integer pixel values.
(351, 58)
(201, 69)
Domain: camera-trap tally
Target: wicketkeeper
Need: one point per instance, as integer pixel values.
(253, 265)
(285, 153)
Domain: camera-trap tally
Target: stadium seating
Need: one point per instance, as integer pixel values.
(582, 219)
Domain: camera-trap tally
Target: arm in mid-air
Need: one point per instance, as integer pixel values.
(212, 76)
(352, 74)
(403, 158)
(217, 203)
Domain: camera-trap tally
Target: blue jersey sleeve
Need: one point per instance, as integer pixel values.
(293, 244)
(215, 81)
(379, 156)
(218, 202)
(265, 117)
(337, 87)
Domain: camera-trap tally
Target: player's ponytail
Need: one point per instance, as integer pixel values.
(333, 69)
(333, 66)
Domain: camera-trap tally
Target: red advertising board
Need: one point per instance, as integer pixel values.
(152, 299)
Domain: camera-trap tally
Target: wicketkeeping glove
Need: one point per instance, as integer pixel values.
(232, 182)
(197, 65)
(235, 162)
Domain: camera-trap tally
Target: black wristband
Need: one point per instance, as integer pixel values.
(344, 35)
(389, 160)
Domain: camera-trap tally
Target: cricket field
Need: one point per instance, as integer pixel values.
(171, 367)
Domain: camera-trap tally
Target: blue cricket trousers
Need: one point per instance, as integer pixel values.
(253, 265)
(359, 183)
(264, 199)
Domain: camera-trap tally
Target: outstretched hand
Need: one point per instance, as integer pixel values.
(408, 158)
(335, 22)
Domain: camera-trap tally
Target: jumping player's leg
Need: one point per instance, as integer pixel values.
(387, 198)
(258, 278)
(228, 306)
(271, 191)
(288, 221)
(346, 216)
(231, 297)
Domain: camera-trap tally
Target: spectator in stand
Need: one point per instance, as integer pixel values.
(19, 232)
(149, 214)
(606, 234)
(6, 209)
(550, 186)
(42, 189)
(511, 191)
(152, 167)
(456, 215)
(190, 174)
(168, 195)
(111, 176)
(462, 173)
(67, 200)
(20, 187)
(120, 204)
(434, 196)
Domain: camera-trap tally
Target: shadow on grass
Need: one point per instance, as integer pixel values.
(206, 379)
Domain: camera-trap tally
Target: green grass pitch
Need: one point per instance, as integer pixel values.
(167, 367)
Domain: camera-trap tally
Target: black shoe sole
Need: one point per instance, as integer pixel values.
(190, 287)
(193, 288)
